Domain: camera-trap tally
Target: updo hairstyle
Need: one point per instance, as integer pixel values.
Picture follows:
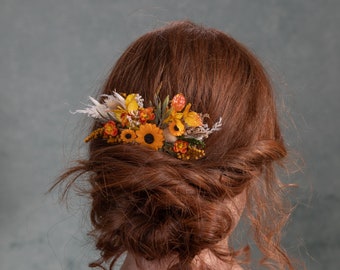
(153, 205)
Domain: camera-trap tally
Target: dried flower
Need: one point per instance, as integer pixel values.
(167, 126)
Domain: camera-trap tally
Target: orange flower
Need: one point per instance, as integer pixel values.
(146, 114)
(178, 102)
(122, 116)
(110, 129)
(180, 146)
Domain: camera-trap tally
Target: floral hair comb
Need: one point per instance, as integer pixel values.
(169, 126)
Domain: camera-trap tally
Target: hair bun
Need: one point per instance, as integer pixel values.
(153, 205)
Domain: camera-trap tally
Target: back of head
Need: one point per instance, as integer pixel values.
(153, 205)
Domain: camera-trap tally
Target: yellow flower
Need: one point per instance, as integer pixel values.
(150, 135)
(131, 103)
(192, 119)
(128, 136)
(176, 127)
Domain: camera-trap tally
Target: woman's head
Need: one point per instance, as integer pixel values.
(154, 205)
(217, 75)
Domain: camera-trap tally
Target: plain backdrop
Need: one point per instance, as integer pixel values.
(55, 53)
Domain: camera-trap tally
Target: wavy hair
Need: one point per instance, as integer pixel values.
(153, 205)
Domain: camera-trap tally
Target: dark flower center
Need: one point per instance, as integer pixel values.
(149, 138)
(176, 128)
(128, 136)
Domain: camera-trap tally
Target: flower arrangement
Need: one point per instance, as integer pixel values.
(167, 125)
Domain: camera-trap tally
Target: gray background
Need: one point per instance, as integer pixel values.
(53, 54)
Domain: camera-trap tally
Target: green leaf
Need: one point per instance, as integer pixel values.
(166, 114)
(165, 104)
(193, 141)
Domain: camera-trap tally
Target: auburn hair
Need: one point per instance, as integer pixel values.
(153, 205)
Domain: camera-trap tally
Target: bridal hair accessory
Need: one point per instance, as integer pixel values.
(169, 125)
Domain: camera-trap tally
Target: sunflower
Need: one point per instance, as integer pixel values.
(128, 136)
(150, 135)
(176, 127)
